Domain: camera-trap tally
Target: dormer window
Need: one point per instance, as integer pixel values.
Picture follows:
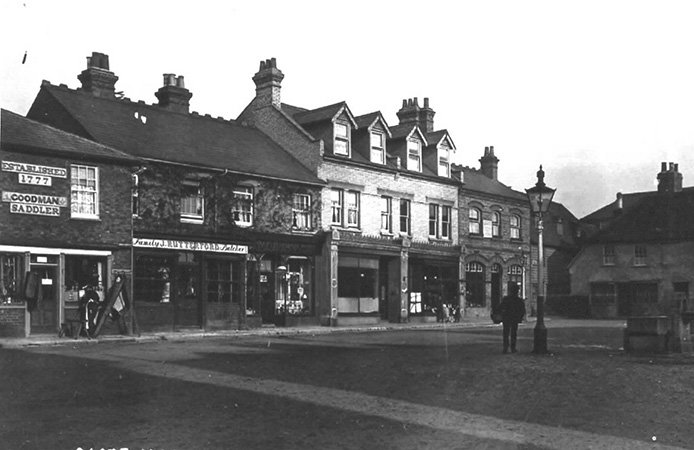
(341, 144)
(444, 162)
(414, 156)
(377, 147)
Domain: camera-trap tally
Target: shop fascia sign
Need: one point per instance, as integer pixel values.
(170, 244)
(35, 204)
(33, 173)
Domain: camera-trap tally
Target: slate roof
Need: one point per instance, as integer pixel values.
(476, 181)
(435, 137)
(149, 131)
(655, 218)
(319, 114)
(20, 134)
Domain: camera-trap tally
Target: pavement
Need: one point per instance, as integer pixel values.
(55, 340)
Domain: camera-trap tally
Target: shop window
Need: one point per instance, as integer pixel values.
(474, 221)
(82, 272)
(10, 281)
(242, 209)
(377, 147)
(386, 215)
(192, 202)
(341, 142)
(302, 212)
(223, 281)
(153, 278)
(187, 279)
(84, 192)
(294, 288)
(515, 224)
(357, 287)
(405, 208)
(475, 295)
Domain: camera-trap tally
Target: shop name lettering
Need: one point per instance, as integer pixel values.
(188, 245)
(10, 166)
(42, 205)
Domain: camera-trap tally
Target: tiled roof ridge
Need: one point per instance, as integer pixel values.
(153, 106)
(69, 135)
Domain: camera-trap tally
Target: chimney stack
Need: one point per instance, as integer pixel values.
(489, 164)
(268, 82)
(412, 113)
(174, 96)
(669, 178)
(97, 78)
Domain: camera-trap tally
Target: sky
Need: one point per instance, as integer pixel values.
(598, 92)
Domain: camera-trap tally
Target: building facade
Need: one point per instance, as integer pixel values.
(65, 224)
(640, 261)
(400, 245)
(226, 224)
(495, 231)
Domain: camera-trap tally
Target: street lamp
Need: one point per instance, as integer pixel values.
(540, 197)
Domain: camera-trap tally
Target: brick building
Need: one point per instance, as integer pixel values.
(495, 225)
(398, 224)
(226, 224)
(65, 223)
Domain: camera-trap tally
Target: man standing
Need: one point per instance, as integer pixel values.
(512, 313)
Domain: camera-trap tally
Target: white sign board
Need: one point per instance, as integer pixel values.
(169, 244)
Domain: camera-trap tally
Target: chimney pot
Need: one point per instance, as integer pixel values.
(404, 103)
(415, 102)
(663, 166)
(180, 82)
(426, 102)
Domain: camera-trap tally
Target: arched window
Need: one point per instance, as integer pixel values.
(475, 219)
(475, 287)
(515, 224)
(496, 224)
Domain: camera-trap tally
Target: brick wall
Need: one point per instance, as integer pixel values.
(307, 150)
(377, 183)
(112, 227)
(12, 321)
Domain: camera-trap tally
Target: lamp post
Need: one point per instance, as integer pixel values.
(540, 197)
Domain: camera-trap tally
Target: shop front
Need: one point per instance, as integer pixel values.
(40, 288)
(434, 289)
(281, 281)
(189, 284)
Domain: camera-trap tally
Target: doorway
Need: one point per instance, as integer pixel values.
(496, 286)
(44, 307)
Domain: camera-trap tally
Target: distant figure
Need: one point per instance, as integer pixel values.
(512, 313)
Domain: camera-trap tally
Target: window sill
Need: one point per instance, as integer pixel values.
(92, 218)
(440, 240)
(192, 220)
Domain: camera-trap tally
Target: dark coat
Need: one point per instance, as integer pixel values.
(512, 309)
